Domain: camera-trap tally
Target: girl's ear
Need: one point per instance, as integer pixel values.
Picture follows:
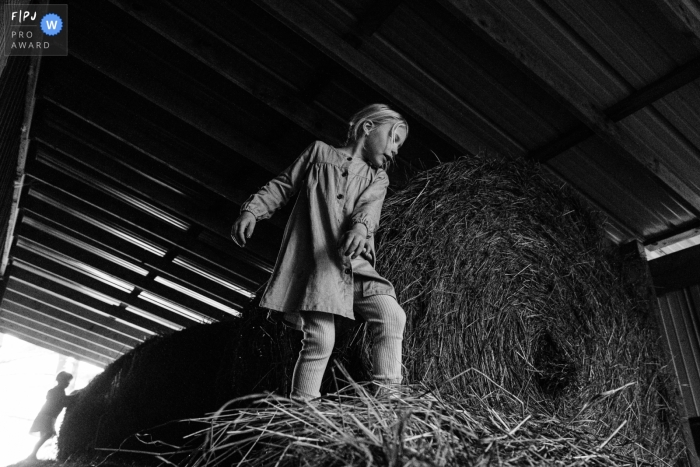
(367, 127)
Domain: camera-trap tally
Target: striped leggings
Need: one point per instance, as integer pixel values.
(386, 321)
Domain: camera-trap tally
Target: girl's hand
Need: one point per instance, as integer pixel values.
(354, 241)
(243, 228)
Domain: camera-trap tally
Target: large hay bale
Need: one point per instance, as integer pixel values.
(506, 281)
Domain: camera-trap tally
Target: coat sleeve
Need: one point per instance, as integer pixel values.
(277, 192)
(369, 205)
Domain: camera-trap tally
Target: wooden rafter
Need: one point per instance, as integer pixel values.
(39, 235)
(21, 303)
(80, 295)
(78, 199)
(636, 101)
(59, 220)
(37, 297)
(29, 104)
(25, 255)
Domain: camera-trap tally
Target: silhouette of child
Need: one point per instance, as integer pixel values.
(45, 421)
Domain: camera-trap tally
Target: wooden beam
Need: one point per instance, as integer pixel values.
(88, 233)
(636, 101)
(84, 297)
(17, 301)
(49, 343)
(674, 235)
(44, 237)
(676, 79)
(115, 216)
(676, 271)
(37, 297)
(26, 254)
(477, 15)
(18, 182)
(74, 333)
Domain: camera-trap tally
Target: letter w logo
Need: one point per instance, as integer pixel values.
(51, 24)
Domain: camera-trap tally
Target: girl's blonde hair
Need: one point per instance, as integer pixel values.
(376, 114)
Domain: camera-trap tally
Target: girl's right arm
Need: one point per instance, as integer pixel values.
(271, 197)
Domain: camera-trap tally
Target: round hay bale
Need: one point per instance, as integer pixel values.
(509, 288)
(175, 377)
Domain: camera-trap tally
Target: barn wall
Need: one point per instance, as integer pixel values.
(680, 321)
(679, 315)
(13, 84)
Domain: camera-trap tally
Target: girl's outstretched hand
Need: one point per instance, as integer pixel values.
(243, 228)
(354, 241)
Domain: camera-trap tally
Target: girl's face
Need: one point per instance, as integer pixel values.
(379, 146)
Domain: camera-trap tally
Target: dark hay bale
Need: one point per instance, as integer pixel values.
(182, 375)
(188, 374)
(509, 290)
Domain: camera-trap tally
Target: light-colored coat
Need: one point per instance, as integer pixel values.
(336, 191)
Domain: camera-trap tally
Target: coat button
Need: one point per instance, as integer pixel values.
(340, 196)
(348, 271)
(345, 174)
(349, 158)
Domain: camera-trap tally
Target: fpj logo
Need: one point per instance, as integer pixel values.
(36, 30)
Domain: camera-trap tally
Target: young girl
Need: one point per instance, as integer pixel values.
(325, 267)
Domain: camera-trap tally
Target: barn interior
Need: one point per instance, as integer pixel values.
(125, 162)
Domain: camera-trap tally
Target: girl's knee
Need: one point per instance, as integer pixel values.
(319, 346)
(396, 316)
(392, 318)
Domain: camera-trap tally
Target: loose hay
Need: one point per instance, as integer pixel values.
(417, 427)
